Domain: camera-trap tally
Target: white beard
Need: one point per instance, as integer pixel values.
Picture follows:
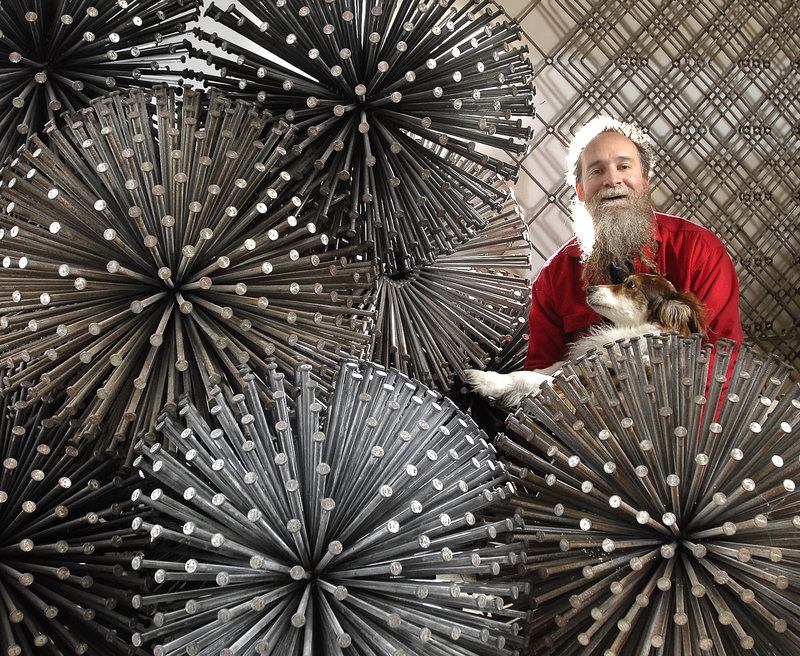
(613, 233)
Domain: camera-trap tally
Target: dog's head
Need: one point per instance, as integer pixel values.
(648, 298)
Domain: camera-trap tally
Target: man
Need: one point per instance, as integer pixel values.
(617, 232)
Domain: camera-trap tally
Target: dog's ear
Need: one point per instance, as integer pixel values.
(681, 312)
(697, 321)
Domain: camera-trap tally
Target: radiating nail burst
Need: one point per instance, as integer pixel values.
(515, 349)
(664, 516)
(56, 56)
(400, 90)
(459, 311)
(355, 528)
(160, 243)
(65, 544)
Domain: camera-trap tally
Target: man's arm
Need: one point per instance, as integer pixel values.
(547, 341)
(716, 284)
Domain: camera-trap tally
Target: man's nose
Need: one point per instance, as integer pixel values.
(613, 177)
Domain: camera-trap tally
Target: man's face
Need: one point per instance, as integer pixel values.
(612, 170)
(615, 221)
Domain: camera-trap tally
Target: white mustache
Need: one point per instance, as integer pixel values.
(612, 193)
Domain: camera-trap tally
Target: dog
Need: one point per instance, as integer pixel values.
(642, 303)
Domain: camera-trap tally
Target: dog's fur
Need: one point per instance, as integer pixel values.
(642, 303)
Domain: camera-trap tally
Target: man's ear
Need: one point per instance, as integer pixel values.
(579, 191)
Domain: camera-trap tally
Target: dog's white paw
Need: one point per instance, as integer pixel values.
(488, 383)
(513, 398)
(507, 389)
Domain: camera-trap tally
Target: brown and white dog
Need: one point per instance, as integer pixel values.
(642, 303)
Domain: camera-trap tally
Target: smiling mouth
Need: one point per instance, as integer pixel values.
(612, 199)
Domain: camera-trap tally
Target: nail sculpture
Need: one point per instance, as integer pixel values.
(660, 508)
(402, 93)
(458, 311)
(157, 245)
(360, 526)
(66, 542)
(56, 56)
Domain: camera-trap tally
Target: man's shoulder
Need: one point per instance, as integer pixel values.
(563, 266)
(567, 252)
(673, 223)
(677, 228)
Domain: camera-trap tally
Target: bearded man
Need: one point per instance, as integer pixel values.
(617, 232)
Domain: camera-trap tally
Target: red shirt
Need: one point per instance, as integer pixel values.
(690, 256)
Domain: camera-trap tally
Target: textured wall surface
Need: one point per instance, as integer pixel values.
(717, 84)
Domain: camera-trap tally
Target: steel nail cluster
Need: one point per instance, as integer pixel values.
(402, 92)
(661, 515)
(460, 310)
(358, 527)
(154, 247)
(66, 541)
(57, 56)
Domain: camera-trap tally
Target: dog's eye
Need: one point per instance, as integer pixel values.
(630, 285)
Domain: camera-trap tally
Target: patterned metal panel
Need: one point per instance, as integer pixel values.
(717, 84)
